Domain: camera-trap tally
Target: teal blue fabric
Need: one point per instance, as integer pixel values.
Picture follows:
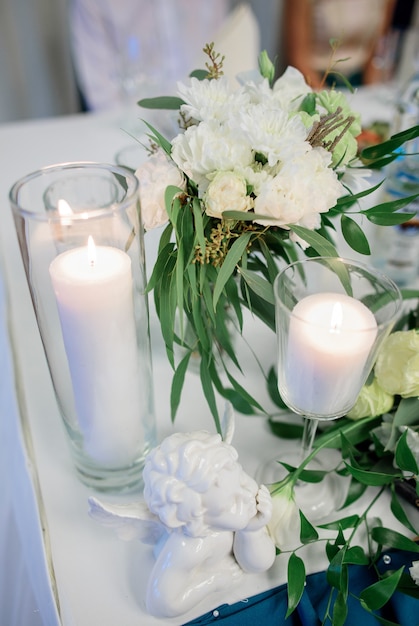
(269, 609)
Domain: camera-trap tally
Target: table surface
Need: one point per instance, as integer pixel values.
(81, 573)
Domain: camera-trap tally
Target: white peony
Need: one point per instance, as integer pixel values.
(304, 187)
(210, 147)
(227, 191)
(414, 572)
(155, 175)
(290, 89)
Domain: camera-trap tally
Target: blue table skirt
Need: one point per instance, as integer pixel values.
(269, 608)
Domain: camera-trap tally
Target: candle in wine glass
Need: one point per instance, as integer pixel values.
(93, 290)
(330, 338)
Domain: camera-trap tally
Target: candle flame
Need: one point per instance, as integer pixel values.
(336, 318)
(64, 210)
(91, 251)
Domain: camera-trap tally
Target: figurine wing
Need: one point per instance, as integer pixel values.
(130, 521)
(228, 423)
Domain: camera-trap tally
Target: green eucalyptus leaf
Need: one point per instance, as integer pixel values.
(390, 145)
(177, 384)
(355, 491)
(355, 555)
(354, 431)
(368, 477)
(286, 430)
(272, 383)
(296, 582)
(230, 262)
(322, 246)
(171, 103)
(244, 394)
(199, 224)
(349, 200)
(199, 74)
(389, 219)
(159, 139)
(346, 522)
(404, 456)
(331, 550)
(163, 265)
(337, 572)
(259, 285)
(399, 512)
(393, 539)
(208, 389)
(408, 586)
(377, 595)
(354, 235)
(340, 610)
(308, 533)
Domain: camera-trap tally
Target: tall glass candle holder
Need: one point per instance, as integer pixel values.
(81, 240)
(332, 315)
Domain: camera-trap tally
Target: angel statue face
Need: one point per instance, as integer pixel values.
(194, 482)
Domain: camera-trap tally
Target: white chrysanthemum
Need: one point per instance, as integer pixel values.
(226, 192)
(273, 133)
(210, 147)
(258, 92)
(210, 99)
(155, 175)
(290, 89)
(301, 190)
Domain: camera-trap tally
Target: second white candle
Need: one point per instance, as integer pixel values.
(330, 338)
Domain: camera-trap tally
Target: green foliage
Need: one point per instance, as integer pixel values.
(208, 271)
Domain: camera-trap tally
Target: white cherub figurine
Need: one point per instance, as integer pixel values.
(205, 516)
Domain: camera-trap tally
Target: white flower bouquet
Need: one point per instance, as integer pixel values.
(257, 175)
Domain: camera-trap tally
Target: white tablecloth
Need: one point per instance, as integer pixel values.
(57, 566)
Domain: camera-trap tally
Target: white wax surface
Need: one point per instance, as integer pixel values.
(95, 304)
(325, 365)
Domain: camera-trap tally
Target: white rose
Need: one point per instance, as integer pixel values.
(397, 366)
(304, 187)
(414, 572)
(227, 191)
(284, 525)
(155, 175)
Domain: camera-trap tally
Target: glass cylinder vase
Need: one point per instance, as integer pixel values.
(81, 241)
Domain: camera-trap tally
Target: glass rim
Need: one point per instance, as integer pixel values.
(397, 300)
(129, 198)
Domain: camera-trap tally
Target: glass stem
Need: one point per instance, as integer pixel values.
(309, 432)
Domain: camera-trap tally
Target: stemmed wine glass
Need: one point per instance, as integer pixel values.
(332, 315)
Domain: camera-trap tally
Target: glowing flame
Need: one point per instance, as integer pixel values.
(64, 211)
(336, 318)
(91, 251)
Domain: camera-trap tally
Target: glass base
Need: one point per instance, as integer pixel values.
(316, 500)
(126, 479)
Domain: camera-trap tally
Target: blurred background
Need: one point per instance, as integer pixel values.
(37, 74)
(40, 53)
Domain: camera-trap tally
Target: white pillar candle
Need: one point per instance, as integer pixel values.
(95, 305)
(330, 338)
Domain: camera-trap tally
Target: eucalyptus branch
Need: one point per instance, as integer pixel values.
(215, 67)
